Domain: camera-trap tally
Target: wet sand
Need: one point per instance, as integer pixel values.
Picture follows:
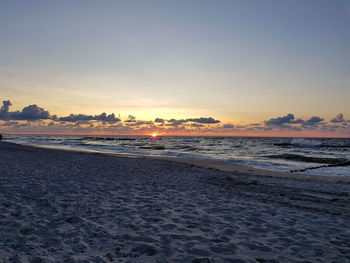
(65, 206)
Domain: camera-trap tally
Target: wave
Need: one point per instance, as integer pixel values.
(301, 142)
(108, 139)
(187, 148)
(308, 143)
(308, 159)
(286, 144)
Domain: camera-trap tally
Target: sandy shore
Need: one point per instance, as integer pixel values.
(62, 206)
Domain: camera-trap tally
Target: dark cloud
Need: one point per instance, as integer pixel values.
(33, 112)
(338, 118)
(288, 119)
(76, 117)
(288, 122)
(30, 113)
(107, 118)
(85, 118)
(131, 119)
(284, 121)
(209, 120)
(313, 121)
(4, 110)
(6, 106)
(159, 120)
(201, 120)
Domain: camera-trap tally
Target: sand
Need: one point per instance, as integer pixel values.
(64, 206)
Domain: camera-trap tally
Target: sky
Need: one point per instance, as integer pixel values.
(232, 67)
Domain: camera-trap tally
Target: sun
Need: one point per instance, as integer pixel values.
(154, 134)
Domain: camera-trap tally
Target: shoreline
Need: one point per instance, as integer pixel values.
(67, 206)
(212, 164)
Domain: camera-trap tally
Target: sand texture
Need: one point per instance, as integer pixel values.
(61, 206)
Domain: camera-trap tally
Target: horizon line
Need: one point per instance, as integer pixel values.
(177, 135)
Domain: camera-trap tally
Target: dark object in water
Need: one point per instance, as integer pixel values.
(0, 137)
(155, 147)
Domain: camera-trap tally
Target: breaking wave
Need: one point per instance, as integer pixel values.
(308, 159)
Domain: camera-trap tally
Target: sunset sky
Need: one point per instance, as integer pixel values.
(232, 67)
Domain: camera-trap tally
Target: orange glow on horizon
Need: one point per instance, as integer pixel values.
(237, 134)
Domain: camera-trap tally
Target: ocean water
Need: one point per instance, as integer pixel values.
(282, 154)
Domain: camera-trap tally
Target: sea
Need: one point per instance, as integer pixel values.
(321, 156)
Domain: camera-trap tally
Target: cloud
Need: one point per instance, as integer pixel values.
(288, 122)
(139, 123)
(227, 126)
(201, 120)
(313, 121)
(77, 117)
(131, 119)
(15, 124)
(284, 121)
(82, 117)
(159, 120)
(197, 125)
(107, 118)
(10, 123)
(289, 118)
(103, 121)
(174, 122)
(33, 112)
(209, 120)
(4, 110)
(33, 118)
(338, 118)
(30, 113)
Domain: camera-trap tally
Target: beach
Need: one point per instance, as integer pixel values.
(70, 206)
